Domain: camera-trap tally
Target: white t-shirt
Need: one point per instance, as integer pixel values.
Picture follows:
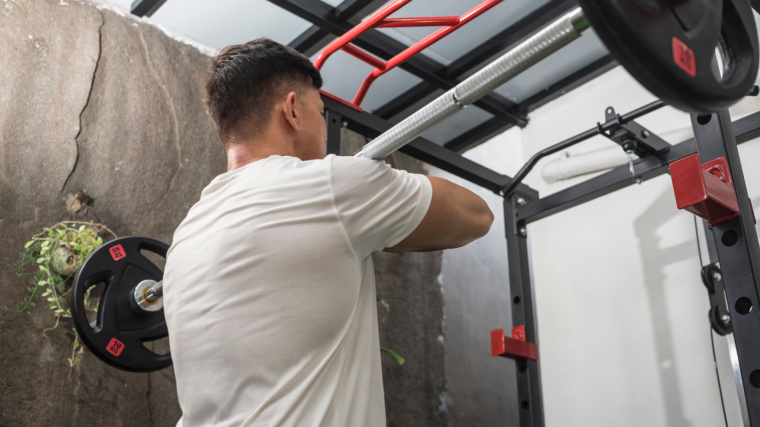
(269, 291)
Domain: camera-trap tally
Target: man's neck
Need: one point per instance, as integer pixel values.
(244, 152)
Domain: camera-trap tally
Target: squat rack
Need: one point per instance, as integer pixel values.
(733, 243)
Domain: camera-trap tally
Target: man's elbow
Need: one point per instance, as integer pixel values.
(487, 221)
(484, 222)
(480, 223)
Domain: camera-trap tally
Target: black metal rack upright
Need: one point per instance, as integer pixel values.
(739, 260)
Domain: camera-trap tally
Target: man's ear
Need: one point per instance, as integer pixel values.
(290, 111)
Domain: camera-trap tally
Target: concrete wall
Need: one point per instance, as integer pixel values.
(481, 389)
(91, 100)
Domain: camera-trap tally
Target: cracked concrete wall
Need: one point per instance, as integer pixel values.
(91, 100)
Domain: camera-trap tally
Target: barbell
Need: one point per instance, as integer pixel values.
(700, 56)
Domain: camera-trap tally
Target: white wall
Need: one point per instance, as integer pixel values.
(622, 312)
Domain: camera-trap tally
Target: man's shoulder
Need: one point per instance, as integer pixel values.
(359, 167)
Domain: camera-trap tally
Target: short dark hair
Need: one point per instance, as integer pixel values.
(247, 79)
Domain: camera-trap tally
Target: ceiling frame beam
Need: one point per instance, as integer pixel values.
(386, 47)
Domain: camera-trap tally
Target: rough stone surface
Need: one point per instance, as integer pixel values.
(94, 101)
(475, 282)
(110, 105)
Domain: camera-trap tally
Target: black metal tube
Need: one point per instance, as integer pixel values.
(641, 111)
(525, 170)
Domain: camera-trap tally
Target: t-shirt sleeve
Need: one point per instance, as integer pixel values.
(378, 206)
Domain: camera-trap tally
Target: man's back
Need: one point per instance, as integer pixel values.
(274, 262)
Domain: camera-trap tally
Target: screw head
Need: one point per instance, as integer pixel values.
(717, 276)
(521, 201)
(344, 123)
(644, 134)
(523, 232)
(725, 319)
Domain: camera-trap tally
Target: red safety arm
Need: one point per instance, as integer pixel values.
(515, 347)
(380, 20)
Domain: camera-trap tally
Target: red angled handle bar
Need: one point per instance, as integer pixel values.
(380, 20)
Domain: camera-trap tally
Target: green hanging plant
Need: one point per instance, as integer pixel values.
(52, 257)
(393, 354)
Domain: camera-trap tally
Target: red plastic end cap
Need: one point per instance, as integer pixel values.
(497, 342)
(704, 190)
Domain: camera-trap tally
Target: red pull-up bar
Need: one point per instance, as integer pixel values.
(380, 20)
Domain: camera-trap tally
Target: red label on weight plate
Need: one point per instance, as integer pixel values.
(115, 347)
(684, 57)
(117, 252)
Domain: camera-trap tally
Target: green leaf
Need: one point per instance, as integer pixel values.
(41, 259)
(29, 243)
(385, 304)
(393, 354)
(81, 229)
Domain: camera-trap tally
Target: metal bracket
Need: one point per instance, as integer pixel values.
(706, 190)
(632, 136)
(513, 347)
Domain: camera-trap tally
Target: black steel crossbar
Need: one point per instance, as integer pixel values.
(145, 7)
(315, 38)
(633, 115)
(745, 129)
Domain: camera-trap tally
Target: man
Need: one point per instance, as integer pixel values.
(269, 285)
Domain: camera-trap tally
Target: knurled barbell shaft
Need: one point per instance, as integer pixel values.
(528, 53)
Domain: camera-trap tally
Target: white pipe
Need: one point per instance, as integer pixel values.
(570, 166)
(509, 65)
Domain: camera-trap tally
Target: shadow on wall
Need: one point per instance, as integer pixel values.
(681, 345)
(655, 259)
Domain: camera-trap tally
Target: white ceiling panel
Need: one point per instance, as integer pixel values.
(456, 125)
(343, 75)
(220, 23)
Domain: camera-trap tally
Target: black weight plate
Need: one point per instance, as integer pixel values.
(119, 332)
(669, 47)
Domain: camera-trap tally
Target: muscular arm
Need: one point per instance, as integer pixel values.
(455, 218)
